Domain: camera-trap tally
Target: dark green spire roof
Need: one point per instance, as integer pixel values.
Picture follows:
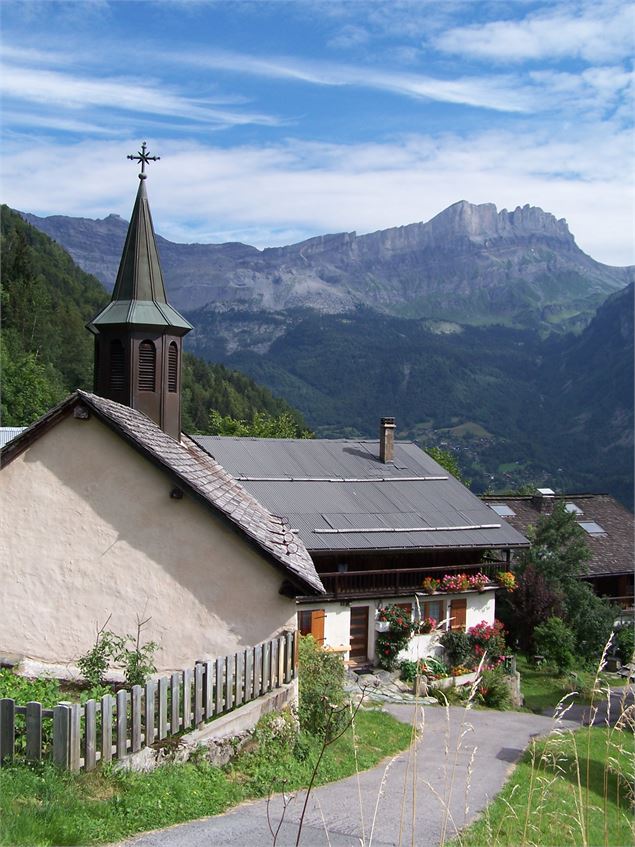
(139, 295)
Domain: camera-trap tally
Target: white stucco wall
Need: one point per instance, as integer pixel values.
(89, 530)
(480, 607)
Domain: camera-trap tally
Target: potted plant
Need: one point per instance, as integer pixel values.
(425, 626)
(382, 624)
(506, 580)
(478, 581)
(455, 583)
(430, 585)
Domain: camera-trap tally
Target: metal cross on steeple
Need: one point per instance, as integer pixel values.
(143, 157)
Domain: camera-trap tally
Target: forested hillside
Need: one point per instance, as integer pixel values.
(47, 352)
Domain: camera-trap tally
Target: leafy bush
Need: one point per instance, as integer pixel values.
(389, 644)
(277, 731)
(457, 647)
(432, 668)
(556, 642)
(490, 639)
(126, 651)
(624, 643)
(22, 690)
(94, 664)
(493, 691)
(590, 618)
(321, 689)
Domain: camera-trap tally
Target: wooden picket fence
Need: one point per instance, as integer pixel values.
(78, 736)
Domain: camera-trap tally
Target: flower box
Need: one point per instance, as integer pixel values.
(382, 626)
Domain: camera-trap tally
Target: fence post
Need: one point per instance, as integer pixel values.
(229, 682)
(33, 731)
(249, 673)
(61, 735)
(266, 668)
(208, 688)
(163, 707)
(288, 657)
(198, 694)
(122, 723)
(7, 730)
(220, 665)
(90, 735)
(148, 722)
(187, 698)
(175, 688)
(255, 688)
(240, 672)
(106, 728)
(135, 717)
(296, 646)
(281, 643)
(274, 663)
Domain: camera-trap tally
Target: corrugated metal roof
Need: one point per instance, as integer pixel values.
(8, 433)
(341, 484)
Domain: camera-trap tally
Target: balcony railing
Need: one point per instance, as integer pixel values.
(395, 581)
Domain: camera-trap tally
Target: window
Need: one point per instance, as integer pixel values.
(592, 527)
(312, 623)
(173, 367)
(503, 510)
(434, 609)
(573, 509)
(147, 366)
(117, 375)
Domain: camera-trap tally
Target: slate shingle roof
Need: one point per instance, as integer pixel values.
(199, 473)
(611, 553)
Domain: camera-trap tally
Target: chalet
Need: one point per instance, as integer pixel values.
(377, 518)
(609, 529)
(108, 512)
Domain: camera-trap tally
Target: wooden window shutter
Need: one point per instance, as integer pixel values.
(173, 367)
(147, 366)
(458, 613)
(312, 623)
(117, 373)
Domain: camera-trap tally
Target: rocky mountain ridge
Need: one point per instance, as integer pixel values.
(470, 263)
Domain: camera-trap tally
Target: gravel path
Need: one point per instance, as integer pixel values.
(482, 745)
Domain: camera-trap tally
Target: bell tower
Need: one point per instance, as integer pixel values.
(138, 335)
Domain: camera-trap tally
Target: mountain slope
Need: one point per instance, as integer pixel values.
(47, 352)
(469, 264)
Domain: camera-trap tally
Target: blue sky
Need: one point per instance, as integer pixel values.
(281, 120)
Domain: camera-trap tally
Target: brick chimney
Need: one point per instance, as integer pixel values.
(386, 439)
(544, 500)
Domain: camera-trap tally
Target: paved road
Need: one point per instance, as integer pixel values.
(478, 759)
(621, 699)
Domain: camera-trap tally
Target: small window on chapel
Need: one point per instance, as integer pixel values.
(173, 367)
(117, 372)
(147, 366)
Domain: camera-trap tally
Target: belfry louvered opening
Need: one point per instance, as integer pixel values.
(117, 371)
(147, 366)
(173, 367)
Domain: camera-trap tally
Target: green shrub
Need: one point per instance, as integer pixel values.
(94, 664)
(321, 689)
(388, 645)
(556, 642)
(624, 644)
(457, 646)
(493, 691)
(432, 668)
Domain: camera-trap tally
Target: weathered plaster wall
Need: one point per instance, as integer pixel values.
(89, 530)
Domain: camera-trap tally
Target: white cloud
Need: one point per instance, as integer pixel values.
(597, 31)
(276, 194)
(53, 89)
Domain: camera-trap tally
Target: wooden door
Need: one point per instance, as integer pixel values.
(312, 623)
(359, 634)
(458, 613)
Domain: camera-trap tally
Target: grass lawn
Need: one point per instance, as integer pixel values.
(43, 806)
(572, 789)
(543, 688)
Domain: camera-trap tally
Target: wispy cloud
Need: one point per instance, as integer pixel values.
(500, 93)
(55, 89)
(596, 31)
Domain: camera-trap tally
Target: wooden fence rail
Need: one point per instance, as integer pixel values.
(78, 736)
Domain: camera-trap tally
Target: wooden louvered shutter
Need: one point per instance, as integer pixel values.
(147, 366)
(458, 613)
(173, 367)
(117, 373)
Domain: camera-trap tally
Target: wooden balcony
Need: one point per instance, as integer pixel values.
(394, 582)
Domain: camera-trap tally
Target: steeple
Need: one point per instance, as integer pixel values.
(138, 335)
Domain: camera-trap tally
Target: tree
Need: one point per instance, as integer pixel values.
(262, 425)
(559, 549)
(447, 460)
